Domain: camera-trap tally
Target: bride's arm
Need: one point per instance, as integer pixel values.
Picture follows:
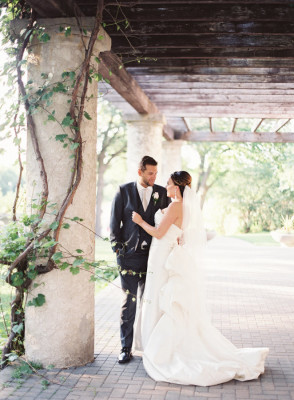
(169, 218)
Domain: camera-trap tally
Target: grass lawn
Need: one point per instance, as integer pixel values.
(258, 239)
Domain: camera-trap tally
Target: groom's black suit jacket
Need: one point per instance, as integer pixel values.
(127, 238)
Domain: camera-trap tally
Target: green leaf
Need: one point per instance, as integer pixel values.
(61, 137)
(63, 266)
(67, 121)
(60, 88)
(87, 115)
(77, 219)
(57, 256)
(78, 261)
(100, 37)
(18, 328)
(45, 384)
(32, 274)
(54, 225)
(44, 38)
(17, 279)
(51, 117)
(66, 226)
(79, 251)
(74, 146)
(74, 270)
(51, 243)
(61, 29)
(37, 301)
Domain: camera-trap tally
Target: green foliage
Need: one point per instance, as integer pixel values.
(251, 181)
(37, 301)
(45, 384)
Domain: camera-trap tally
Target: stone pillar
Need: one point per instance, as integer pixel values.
(61, 332)
(144, 139)
(171, 157)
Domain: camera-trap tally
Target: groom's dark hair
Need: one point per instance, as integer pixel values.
(146, 160)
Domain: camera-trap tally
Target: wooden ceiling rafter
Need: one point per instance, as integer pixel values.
(240, 136)
(277, 128)
(112, 69)
(257, 125)
(56, 9)
(214, 58)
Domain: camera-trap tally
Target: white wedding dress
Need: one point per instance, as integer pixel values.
(179, 343)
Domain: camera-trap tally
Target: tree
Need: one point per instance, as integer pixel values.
(111, 143)
(251, 180)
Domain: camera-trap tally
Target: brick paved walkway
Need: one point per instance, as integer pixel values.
(252, 301)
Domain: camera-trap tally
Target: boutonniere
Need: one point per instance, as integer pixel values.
(155, 197)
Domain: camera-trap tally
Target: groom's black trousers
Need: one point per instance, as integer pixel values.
(133, 288)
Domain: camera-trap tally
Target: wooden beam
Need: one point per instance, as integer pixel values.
(210, 125)
(163, 53)
(280, 126)
(186, 124)
(194, 70)
(186, 64)
(220, 98)
(175, 91)
(55, 8)
(198, 41)
(168, 132)
(178, 124)
(266, 137)
(234, 124)
(238, 110)
(208, 28)
(208, 12)
(257, 125)
(207, 78)
(111, 68)
(150, 82)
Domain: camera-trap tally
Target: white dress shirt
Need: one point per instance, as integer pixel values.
(148, 190)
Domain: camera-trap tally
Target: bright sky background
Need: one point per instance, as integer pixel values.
(10, 154)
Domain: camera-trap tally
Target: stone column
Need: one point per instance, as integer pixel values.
(171, 157)
(61, 332)
(144, 139)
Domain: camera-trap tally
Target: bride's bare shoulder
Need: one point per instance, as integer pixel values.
(175, 206)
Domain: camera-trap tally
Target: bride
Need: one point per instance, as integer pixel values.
(179, 343)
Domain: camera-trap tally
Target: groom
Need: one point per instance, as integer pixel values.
(131, 243)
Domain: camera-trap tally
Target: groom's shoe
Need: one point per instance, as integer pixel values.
(125, 355)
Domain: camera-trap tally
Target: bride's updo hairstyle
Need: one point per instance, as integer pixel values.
(181, 179)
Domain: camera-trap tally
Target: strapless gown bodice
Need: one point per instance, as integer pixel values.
(171, 236)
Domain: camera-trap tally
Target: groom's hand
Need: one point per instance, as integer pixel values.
(136, 218)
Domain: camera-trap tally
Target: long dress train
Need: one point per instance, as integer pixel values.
(179, 343)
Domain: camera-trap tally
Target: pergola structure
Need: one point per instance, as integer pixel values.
(166, 61)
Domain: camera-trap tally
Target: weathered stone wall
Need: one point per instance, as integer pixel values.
(61, 332)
